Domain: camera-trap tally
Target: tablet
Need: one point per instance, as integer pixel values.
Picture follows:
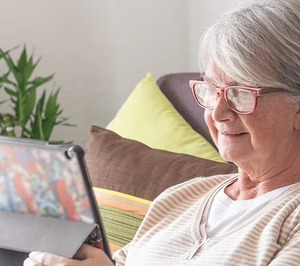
(46, 199)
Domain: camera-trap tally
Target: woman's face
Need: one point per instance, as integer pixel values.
(267, 135)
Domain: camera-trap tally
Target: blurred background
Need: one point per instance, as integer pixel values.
(100, 49)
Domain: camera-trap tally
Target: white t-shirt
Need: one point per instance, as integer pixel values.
(225, 213)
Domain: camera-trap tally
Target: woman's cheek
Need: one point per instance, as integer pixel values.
(211, 125)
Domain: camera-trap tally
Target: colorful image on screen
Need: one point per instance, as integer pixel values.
(42, 182)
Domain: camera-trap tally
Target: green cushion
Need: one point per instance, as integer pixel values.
(122, 215)
(120, 226)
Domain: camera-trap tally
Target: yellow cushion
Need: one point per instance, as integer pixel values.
(148, 117)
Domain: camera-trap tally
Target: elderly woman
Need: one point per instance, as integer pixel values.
(251, 92)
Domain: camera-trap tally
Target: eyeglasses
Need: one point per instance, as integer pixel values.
(242, 100)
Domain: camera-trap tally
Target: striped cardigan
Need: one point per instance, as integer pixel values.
(173, 231)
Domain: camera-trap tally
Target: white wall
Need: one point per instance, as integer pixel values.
(151, 36)
(100, 49)
(202, 13)
(75, 39)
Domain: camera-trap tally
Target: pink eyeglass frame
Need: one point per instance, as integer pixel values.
(219, 91)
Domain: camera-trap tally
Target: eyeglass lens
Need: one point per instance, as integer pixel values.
(239, 100)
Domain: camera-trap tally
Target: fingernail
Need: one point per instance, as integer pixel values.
(36, 255)
(29, 262)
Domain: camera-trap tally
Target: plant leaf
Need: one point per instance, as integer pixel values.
(59, 142)
(37, 82)
(14, 69)
(51, 112)
(27, 131)
(41, 102)
(25, 68)
(30, 66)
(26, 106)
(10, 92)
(33, 64)
(40, 127)
(22, 60)
(37, 131)
(4, 79)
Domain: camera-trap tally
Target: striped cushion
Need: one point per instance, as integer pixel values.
(122, 215)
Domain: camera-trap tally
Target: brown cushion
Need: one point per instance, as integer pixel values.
(133, 168)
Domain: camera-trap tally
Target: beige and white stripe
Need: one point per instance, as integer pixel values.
(173, 232)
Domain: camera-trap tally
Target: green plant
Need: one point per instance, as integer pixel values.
(34, 117)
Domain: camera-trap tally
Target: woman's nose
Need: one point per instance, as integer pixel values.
(222, 110)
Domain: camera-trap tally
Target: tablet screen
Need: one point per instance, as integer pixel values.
(42, 182)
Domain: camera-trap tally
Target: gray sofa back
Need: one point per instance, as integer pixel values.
(176, 88)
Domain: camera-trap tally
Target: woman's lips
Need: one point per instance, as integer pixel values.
(233, 134)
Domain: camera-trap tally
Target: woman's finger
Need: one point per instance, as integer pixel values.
(90, 257)
(94, 256)
(31, 262)
(87, 251)
(49, 259)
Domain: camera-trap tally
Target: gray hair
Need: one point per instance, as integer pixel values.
(257, 45)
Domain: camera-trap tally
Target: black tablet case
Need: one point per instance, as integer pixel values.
(22, 233)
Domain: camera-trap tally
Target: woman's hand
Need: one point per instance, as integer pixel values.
(88, 255)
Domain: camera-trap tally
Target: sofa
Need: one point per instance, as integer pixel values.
(157, 139)
(175, 87)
